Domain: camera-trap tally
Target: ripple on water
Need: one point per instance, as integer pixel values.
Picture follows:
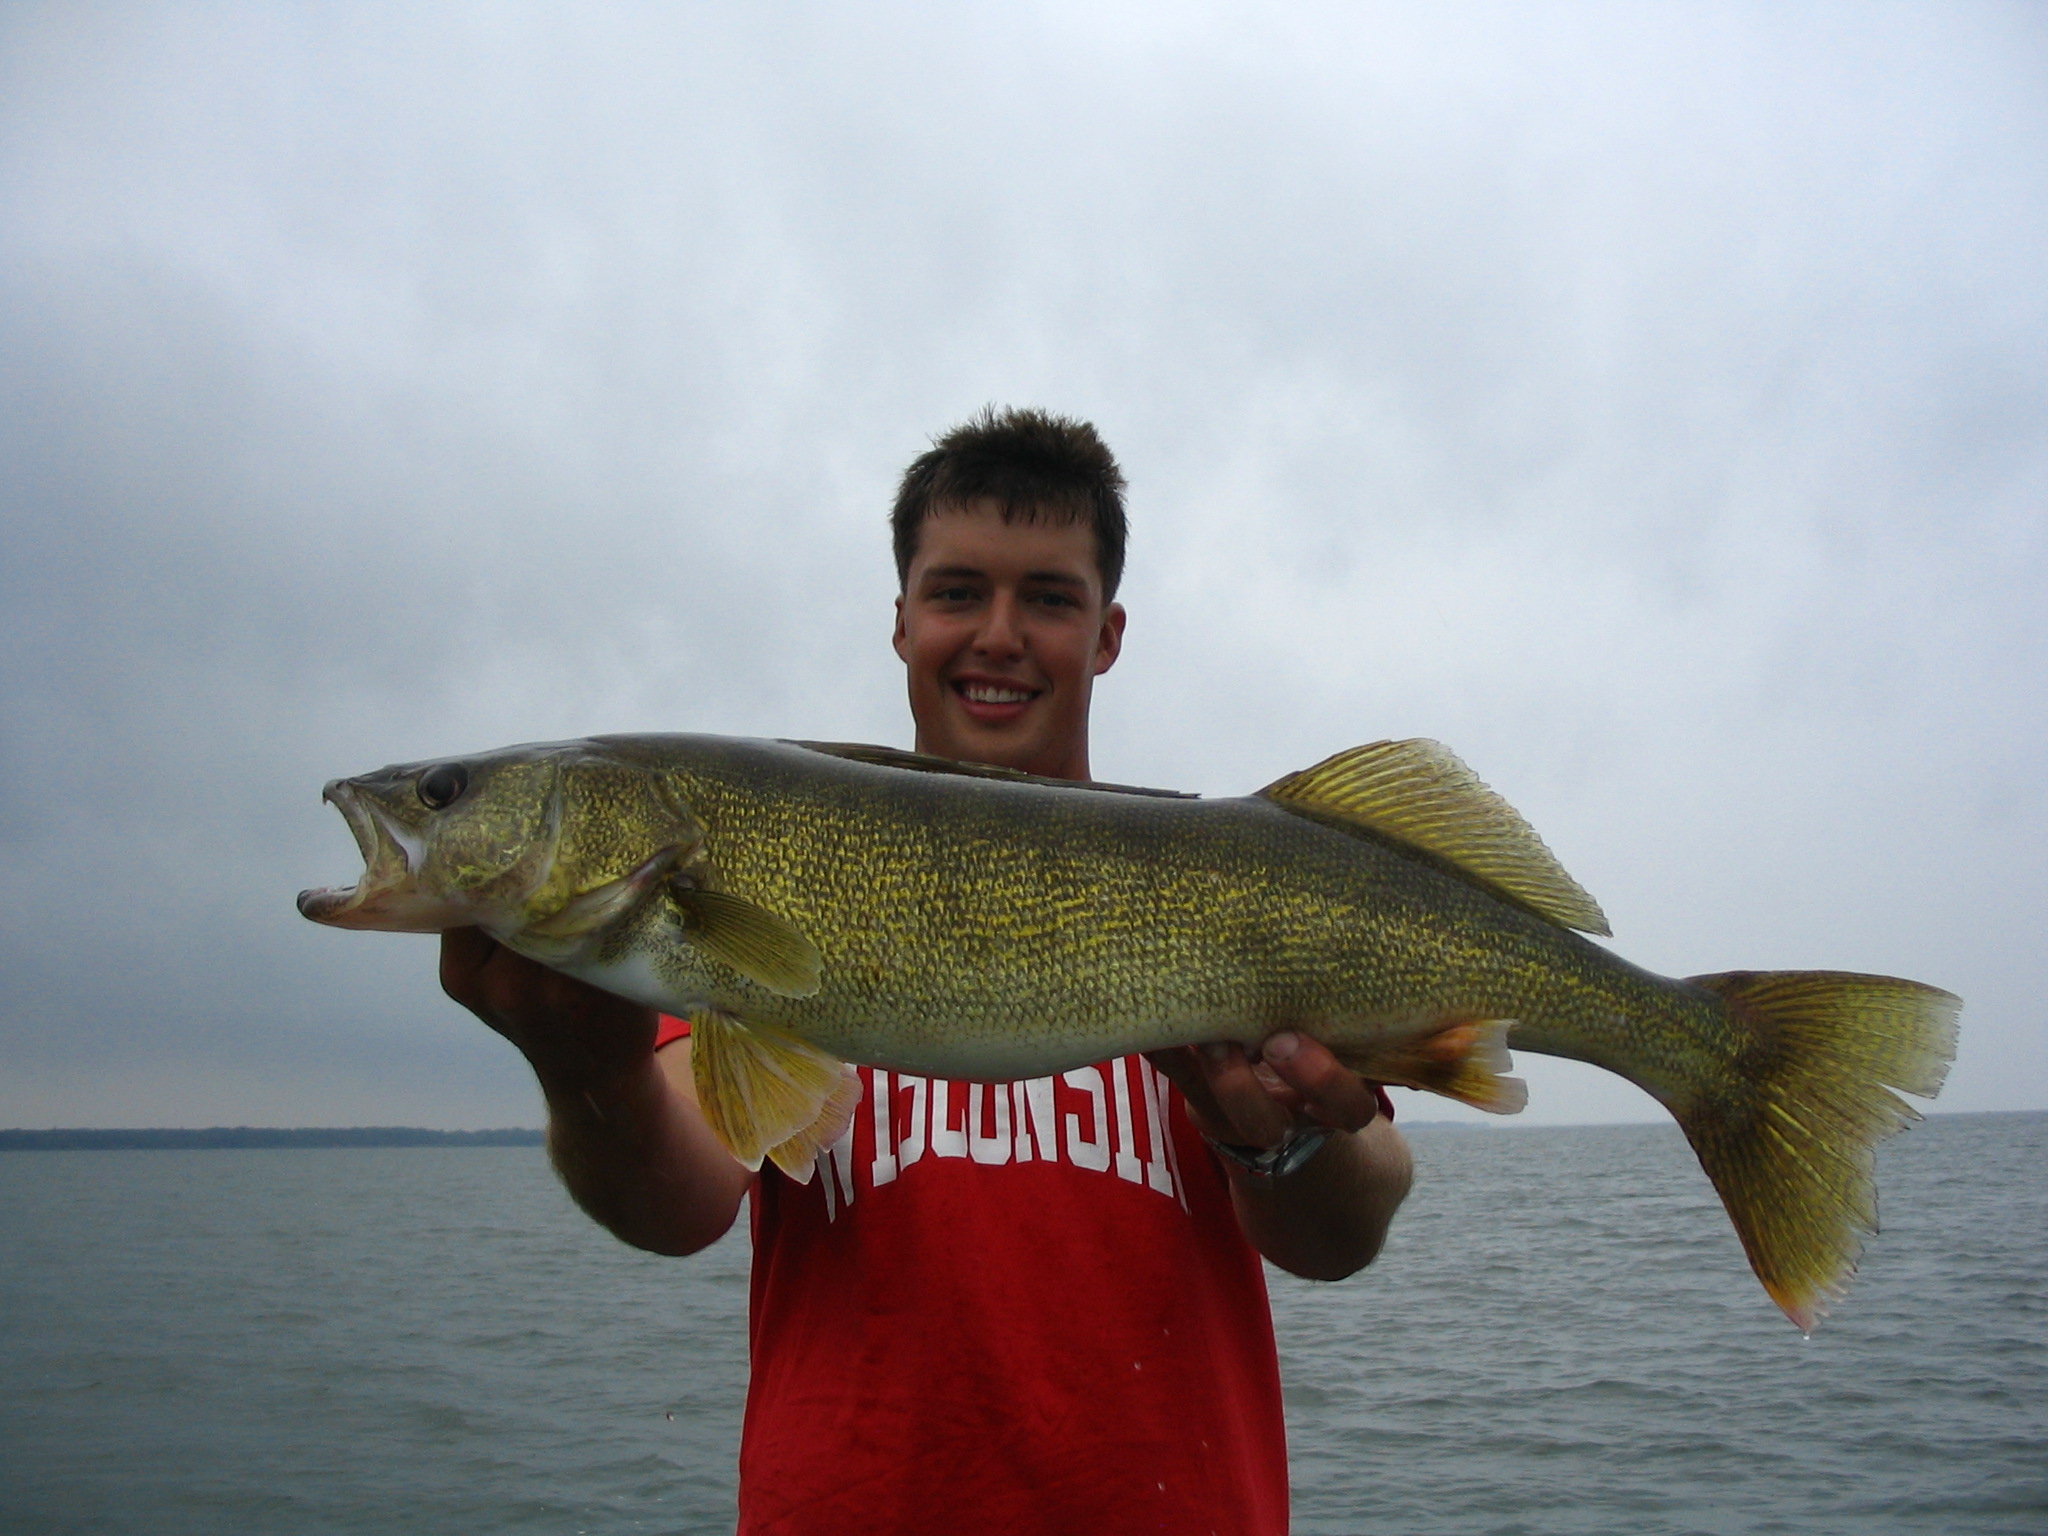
(1561, 1340)
(1514, 1364)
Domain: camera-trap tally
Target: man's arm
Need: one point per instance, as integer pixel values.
(624, 1130)
(1327, 1219)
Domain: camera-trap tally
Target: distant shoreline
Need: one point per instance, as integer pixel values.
(252, 1136)
(232, 1137)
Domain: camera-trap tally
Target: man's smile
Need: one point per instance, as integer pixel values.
(993, 700)
(993, 693)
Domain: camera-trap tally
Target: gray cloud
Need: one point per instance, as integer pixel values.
(1647, 402)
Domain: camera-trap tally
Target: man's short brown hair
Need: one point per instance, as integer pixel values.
(1033, 465)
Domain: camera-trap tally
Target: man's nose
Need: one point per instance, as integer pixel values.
(1002, 629)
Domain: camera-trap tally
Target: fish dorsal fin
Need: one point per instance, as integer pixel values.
(925, 762)
(761, 946)
(1419, 795)
(767, 1094)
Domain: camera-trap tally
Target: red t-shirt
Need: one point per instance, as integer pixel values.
(1012, 1308)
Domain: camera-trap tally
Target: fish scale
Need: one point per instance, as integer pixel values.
(811, 905)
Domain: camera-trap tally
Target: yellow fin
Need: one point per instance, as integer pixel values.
(1419, 795)
(1789, 1143)
(798, 1156)
(752, 940)
(1465, 1061)
(758, 1088)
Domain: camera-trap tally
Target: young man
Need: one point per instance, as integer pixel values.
(1031, 1307)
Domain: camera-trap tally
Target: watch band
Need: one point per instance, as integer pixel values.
(1274, 1162)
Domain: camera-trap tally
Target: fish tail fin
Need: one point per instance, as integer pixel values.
(1791, 1148)
(1466, 1060)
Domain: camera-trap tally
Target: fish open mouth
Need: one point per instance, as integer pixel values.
(386, 897)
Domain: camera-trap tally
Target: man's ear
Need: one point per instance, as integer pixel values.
(900, 640)
(1109, 644)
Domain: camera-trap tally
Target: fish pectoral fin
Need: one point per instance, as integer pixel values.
(1465, 1060)
(762, 947)
(762, 1091)
(570, 927)
(798, 1156)
(1419, 795)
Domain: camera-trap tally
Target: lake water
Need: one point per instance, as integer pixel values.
(1561, 1338)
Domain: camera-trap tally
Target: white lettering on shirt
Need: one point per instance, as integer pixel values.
(947, 1140)
(1162, 1169)
(883, 1170)
(842, 1165)
(1004, 1124)
(1042, 1136)
(1082, 1151)
(837, 1158)
(912, 1146)
(993, 1148)
(1127, 1164)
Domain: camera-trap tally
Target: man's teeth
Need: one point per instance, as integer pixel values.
(982, 693)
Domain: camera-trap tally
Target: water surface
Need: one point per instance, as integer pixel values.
(1561, 1338)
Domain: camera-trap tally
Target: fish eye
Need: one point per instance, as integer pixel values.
(442, 785)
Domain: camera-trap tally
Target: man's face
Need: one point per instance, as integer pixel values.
(1003, 629)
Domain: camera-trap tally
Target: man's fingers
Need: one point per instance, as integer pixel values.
(1182, 1067)
(501, 986)
(1331, 1092)
(1177, 1065)
(569, 1029)
(1250, 1114)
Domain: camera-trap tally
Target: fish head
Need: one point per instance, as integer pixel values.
(449, 843)
(505, 841)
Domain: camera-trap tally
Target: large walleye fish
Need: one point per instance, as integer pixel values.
(808, 905)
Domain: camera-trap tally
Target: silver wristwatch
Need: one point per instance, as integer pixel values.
(1275, 1162)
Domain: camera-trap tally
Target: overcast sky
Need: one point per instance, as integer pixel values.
(1650, 401)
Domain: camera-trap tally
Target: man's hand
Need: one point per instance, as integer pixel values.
(579, 1039)
(624, 1130)
(1295, 1083)
(1327, 1219)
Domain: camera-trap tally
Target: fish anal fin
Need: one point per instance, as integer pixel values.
(1418, 794)
(1466, 1060)
(758, 1088)
(798, 1156)
(761, 946)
